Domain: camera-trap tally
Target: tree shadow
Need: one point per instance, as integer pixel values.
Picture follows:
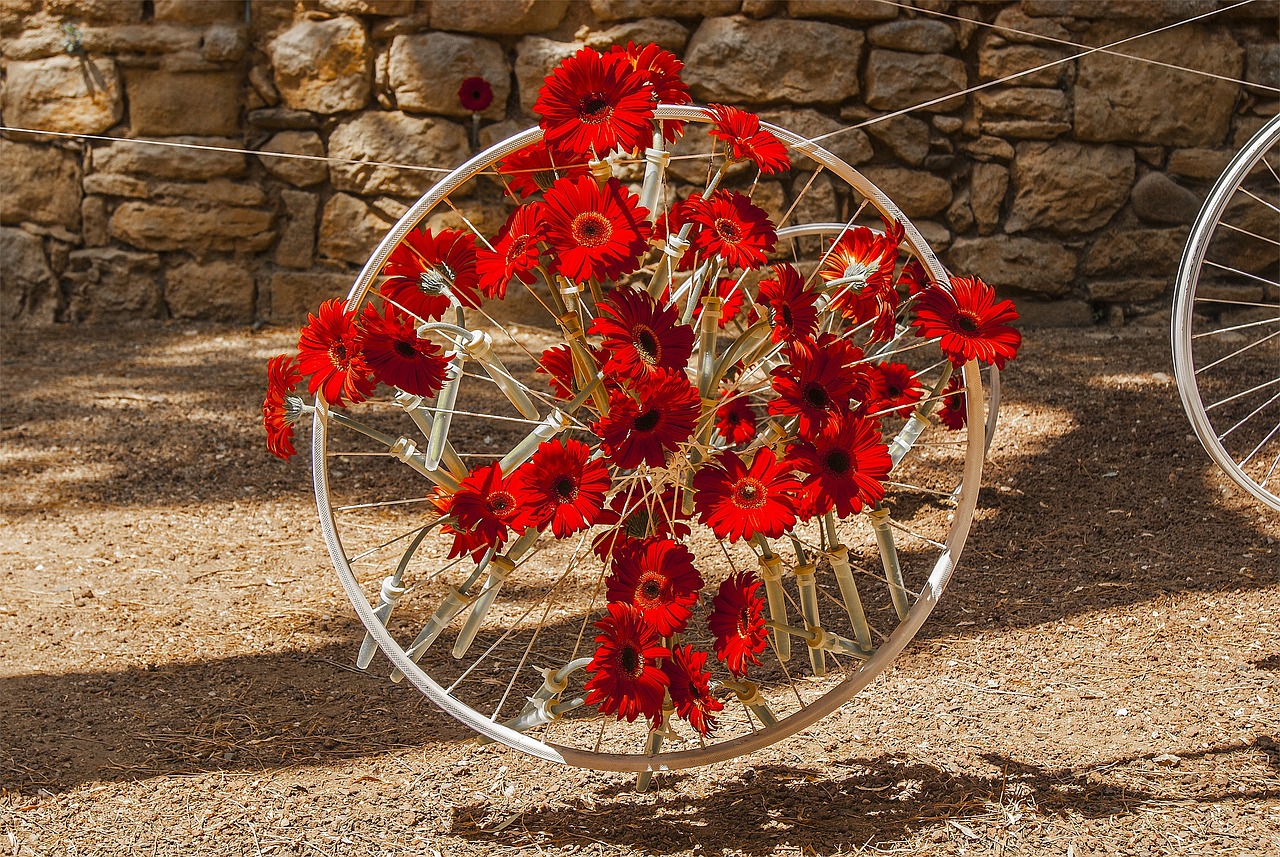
(870, 800)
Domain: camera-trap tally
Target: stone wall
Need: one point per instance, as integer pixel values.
(1071, 188)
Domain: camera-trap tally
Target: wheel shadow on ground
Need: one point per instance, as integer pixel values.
(870, 800)
(252, 713)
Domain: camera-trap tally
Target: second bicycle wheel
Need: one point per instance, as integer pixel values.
(667, 516)
(1226, 319)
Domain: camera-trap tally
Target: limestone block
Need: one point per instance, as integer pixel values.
(116, 184)
(896, 80)
(1013, 24)
(39, 184)
(663, 32)
(906, 138)
(998, 60)
(28, 288)
(1199, 164)
(1128, 290)
(224, 43)
(1115, 97)
(851, 146)
(819, 204)
(988, 186)
(735, 59)
(1246, 252)
(988, 148)
(93, 219)
(960, 212)
(96, 11)
(297, 245)
(1040, 267)
(498, 17)
(849, 10)
(142, 39)
(1136, 253)
(387, 8)
(350, 229)
(69, 94)
(1023, 112)
(296, 171)
(165, 104)
(917, 193)
(426, 71)
(535, 59)
(16, 14)
(612, 10)
(323, 66)
(1159, 199)
(215, 192)
(395, 138)
(112, 285)
(1033, 313)
(282, 119)
(917, 37)
(1262, 65)
(1068, 187)
(170, 162)
(210, 291)
(294, 294)
(158, 226)
(199, 11)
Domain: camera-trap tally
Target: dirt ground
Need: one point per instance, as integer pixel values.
(1102, 676)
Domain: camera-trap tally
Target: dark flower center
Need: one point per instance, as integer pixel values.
(631, 661)
(749, 493)
(894, 392)
(594, 109)
(782, 316)
(650, 587)
(816, 397)
(591, 229)
(647, 345)
(648, 421)
(837, 461)
(744, 621)
(728, 230)
(405, 349)
(338, 355)
(566, 489)
(501, 504)
(518, 248)
(967, 322)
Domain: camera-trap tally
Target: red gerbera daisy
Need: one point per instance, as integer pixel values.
(397, 357)
(970, 322)
(514, 253)
(644, 432)
(424, 269)
(736, 419)
(595, 231)
(641, 512)
(792, 311)
(640, 337)
(730, 226)
(475, 94)
(953, 409)
(278, 413)
(690, 688)
(561, 485)
(625, 674)
(662, 70)
(814, 387)
(593, 104)
(914, 278)
(532, 169)
(329, 351)
(657, 577)
(485, 507)
(737, 622)
(746, 140)
(845, 466)
(902, 389)
(859, 268)
(737, 502)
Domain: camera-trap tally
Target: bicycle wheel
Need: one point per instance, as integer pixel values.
(505, 640)
(1226, 319)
